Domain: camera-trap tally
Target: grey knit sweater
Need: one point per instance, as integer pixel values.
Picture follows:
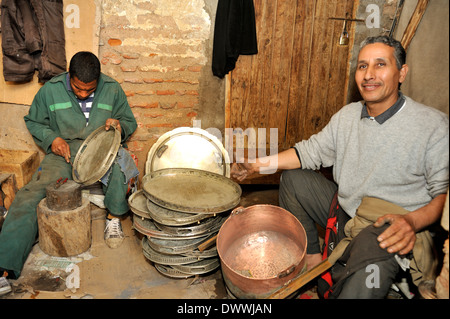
(404, 161)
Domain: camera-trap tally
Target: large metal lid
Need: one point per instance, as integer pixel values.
(186, 147)
(191, 190)
(96, 155)
(173, 218)
(138, 204)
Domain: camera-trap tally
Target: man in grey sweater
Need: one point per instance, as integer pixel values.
(388, 147)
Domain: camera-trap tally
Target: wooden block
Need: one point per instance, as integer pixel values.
(8, 189)
(64, 233)
(23, 164)
(63, 196)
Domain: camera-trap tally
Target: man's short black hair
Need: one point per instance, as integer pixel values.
(85, 66)
(399, 51)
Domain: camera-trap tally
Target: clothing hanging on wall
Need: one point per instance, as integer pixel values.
(32, 39)
(234, 34)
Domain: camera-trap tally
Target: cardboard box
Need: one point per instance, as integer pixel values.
(20, 163)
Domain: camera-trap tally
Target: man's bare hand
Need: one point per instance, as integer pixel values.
(61, 148)
(242, 171)
(113, 122)
(400, 236)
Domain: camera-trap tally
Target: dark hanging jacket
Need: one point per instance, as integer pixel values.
(32, 39)
(234, 34)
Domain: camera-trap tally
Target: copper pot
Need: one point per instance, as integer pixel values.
(261, 248)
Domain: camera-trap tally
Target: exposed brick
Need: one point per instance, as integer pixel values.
(145, 105)
(133, 80)
(110, 57)
(153, 80)
(128, 69)
(167, 106)
(181, 81)
(131, 55)
(129, 93)
(186, 105)
(149, 92)
(191, 114)
(195, 68)
(146, 68)
(191, 92)
(165, 92)
(114, 42)
(153, 116)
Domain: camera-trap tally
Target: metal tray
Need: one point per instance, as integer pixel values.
(170, 272)
(186, 147)
(191, 190)
(96, 155)
(206, 225)
(165, 259)
(138, 204)
(173, 218)
(173, 247)
(207, 253)
(200, 267)
(148, 228)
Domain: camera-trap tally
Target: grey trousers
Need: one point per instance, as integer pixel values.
(308, 195)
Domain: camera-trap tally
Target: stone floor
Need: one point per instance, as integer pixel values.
(124, 272)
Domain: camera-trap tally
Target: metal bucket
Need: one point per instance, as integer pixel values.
(261, 248)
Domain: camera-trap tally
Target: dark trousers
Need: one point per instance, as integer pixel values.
(308, 195)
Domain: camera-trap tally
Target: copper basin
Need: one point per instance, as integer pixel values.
(261, 248)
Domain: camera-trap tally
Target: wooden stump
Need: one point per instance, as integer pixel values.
(65, 196)
(64, 233)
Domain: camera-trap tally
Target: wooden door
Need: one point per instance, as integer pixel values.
(297, 81)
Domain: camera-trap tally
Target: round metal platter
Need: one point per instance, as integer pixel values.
(138, 204)
(200, 267)
(147, 227)
(165, 259)
(172, 218)
(170, 272)
(96, 155)
(206, 225)
(173, 247)
(186, 147)
(191, 190)
(207, 253)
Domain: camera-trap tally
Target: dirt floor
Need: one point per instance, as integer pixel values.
(124, 272)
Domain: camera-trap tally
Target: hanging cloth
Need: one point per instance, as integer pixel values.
(234, 34)
(32, 39)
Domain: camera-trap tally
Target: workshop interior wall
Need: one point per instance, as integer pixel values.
(161, 51)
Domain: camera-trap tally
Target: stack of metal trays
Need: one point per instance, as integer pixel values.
(186, 196)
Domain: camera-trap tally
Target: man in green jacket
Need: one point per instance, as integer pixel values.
(64, 112)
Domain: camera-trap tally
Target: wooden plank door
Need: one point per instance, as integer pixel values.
(297, 80)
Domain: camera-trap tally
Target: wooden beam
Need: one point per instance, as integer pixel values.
(414, 22)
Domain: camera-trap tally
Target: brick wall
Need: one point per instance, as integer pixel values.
(160, 52)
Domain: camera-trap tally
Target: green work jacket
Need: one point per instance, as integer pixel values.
(55, 112)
